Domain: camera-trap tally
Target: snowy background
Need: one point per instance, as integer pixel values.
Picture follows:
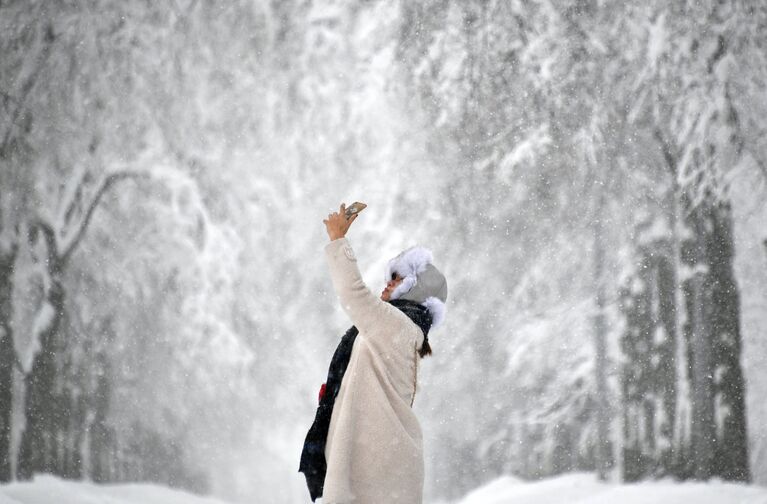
(590, 175)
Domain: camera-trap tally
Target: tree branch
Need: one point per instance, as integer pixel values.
(72, 196)
(27, 87)
(107, 182)
(40, 224)
(665, 147)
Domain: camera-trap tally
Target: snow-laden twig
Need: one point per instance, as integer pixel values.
(42, 322)
(40, 224)
(69, 243)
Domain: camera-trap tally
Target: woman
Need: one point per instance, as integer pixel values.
(365, 444)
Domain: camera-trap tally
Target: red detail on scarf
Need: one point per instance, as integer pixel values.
(322, 393)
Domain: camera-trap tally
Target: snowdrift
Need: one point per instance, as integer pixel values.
(52, 490)
(586, 489)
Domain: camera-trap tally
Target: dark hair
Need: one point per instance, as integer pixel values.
(425, 348)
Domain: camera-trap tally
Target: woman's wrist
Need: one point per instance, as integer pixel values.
(337, 224)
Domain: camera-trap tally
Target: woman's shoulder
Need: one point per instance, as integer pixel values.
(395, 326)
(393, 316)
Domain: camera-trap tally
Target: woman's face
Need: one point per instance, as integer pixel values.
(390, 286)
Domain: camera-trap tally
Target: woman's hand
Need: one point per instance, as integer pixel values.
(337, 224)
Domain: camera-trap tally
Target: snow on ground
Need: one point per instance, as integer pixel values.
(52, 490)
(569, 489)
(586, 489)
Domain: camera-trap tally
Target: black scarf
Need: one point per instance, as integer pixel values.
(313, 463)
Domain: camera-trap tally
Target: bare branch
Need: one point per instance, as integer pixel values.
(42, 225)
(27, 87)
(669, 156)
(106, 183)
(72, 196)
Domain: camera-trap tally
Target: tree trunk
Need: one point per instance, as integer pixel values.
(703, 421)
(732, 461)
(600, 345)
(681, 436)
(665, 366)
(719, 434)
(635, 379)
(7, 361)
(41, 449)
(102, 442)
(649, 369)
(53, 438)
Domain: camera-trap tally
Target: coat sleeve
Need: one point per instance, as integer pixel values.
(363, 307)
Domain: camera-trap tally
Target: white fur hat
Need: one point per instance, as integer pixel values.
(421, 281)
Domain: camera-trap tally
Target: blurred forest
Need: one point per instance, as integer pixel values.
(590, 175)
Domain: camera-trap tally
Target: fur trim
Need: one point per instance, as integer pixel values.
(437, 309)
(404, 287)
(409, 263)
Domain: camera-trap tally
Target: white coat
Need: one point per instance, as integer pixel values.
(374, 448)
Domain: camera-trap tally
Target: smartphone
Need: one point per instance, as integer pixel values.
(354, 208)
